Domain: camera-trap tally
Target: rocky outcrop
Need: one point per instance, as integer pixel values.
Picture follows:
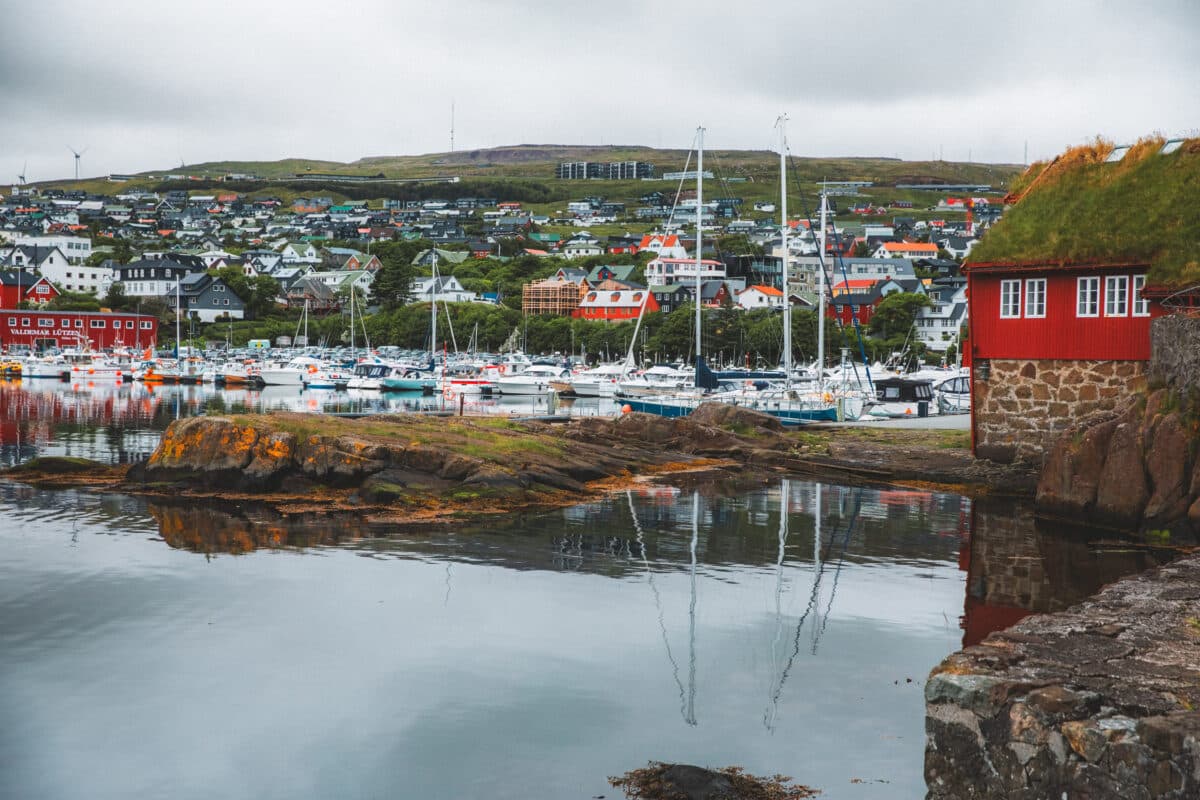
(417, 463)
(1134, 467)
(1095, 702)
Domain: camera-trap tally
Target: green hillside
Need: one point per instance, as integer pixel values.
(526, 172)
(1080, 208)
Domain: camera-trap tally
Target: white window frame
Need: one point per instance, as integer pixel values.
(1139, 306)
(1035, 290)
(1010, 306)
(1092, 297)
(1116, 285)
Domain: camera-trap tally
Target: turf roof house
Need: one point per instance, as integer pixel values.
(1063, 289)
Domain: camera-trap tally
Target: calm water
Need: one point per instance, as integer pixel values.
(175, 651)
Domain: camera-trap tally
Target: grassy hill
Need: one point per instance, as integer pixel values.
(1080, 208)
(752, 174)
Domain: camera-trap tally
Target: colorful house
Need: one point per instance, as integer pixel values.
(906, 250)
(616, 305)
(1062, 291)
(753, 297)
(41, 329)
(17, 285)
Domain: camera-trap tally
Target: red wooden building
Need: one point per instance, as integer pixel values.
(40, 329)
(1063, 289)
(1055, 311)
(16, 286)
(615, 305)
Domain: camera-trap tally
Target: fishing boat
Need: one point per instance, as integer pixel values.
(86, 365)
(51, 366)
(903, 397)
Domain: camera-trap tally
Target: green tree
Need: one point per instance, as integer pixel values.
(116, 298)
(263, 291)
(74, 301)
(393, 281)
(894, 315)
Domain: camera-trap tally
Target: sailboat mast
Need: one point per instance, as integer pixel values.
(821, 300)
(699, 234)
(787, 306)
(433, 311)
(178, 352)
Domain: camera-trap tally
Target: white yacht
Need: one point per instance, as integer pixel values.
(535, 379)
(599, 381)
(293, 373)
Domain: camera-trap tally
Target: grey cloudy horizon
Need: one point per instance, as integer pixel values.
(147, 85)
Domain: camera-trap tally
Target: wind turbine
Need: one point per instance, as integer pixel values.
(77, 153)
(21, 177)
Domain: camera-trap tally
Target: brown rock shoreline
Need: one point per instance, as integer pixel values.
(406, 468)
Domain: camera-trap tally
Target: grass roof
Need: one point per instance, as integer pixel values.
(1081, 209)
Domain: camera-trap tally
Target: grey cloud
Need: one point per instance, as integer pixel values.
(145, 82)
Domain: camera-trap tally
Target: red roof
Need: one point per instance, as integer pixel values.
(910, 247)
(770, 291)
(663, 240)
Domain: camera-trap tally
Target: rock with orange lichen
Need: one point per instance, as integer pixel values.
(405, 461)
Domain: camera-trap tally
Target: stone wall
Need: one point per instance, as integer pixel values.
(1175, 353)
(1093, 702)
(1025, 404)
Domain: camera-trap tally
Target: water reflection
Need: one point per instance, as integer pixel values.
(683, 625)
(120, 422)
(766, 627)
(1017, 565)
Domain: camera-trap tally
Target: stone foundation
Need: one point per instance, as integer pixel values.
(1094, 702)
(1025, 404)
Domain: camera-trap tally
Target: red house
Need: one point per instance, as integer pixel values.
(615, 305)
(17, 286)
(40, 329)
(1055, 335)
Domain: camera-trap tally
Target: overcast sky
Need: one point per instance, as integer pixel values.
(143, 85)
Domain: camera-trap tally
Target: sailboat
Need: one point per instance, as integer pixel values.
(415, 379)
(789, 406)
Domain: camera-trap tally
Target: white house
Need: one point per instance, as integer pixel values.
(906, 250)
(443, 289)
(668, 271)
(753, 297)
(663, 244)
(57, 268)
(300, 253)
(76, 249)
(581, 249)
(938, 324)
(336, 279)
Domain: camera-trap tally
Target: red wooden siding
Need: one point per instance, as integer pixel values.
(34, 327)
(1061, 334)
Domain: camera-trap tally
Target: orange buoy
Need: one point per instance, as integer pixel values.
(626, 409)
